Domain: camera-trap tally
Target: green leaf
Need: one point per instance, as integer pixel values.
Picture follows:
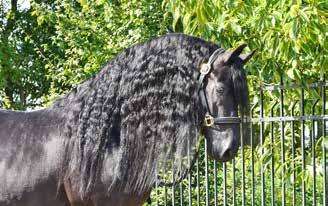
(83, 2)
(304, 16)
(40, 19)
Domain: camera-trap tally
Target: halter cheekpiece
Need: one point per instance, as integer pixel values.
(205, 69)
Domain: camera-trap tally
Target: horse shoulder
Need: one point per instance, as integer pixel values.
(30, 149)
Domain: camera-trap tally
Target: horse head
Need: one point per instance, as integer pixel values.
(224, 97)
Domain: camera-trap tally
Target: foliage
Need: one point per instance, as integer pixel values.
(290, 36)
(54, 45)
(290, 39)
(22, 72)
(88, 34)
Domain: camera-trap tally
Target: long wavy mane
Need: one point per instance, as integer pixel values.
(138, 115)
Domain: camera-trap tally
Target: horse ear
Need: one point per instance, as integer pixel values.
(230, 55)
(246, 57)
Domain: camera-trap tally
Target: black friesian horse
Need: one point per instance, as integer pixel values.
(105, 142)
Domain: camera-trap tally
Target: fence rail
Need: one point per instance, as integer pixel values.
(286, 118)
(282, 162)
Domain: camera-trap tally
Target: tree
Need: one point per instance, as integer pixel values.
(88, 34)
(290, 36)
(54, 45)
(23, 78)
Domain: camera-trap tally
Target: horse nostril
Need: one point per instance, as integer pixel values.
(227, 153)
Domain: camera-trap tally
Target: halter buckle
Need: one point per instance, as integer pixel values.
(205, 69)
(208, 121)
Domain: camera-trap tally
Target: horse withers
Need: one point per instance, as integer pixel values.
(105, 142)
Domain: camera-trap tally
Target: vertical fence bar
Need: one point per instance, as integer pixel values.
(181, 194)
(261, 152)
(233, 182)
(303, 147)
(314, 183)
(225, 184)
(198, 183)
(324, 163)
(156, 192)
(215, 185)
(165, 196)
(252, 155)
(189, 178)
(272, 153)
(252, 165)
(243, 166)
(293, 154)
(282, 137)
(173, 186)
(206, 176)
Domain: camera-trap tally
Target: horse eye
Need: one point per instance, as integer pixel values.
(220, 90)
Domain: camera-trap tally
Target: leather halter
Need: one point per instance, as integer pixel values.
(205, 69)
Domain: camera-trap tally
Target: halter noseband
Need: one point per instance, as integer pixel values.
(205, 69)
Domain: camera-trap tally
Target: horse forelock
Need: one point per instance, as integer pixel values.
(144, 103)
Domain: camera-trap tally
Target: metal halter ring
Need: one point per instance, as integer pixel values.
(208, 121)
(205, 69)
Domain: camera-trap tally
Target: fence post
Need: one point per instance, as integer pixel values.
(282, 136)
(303, 147)
(261, 152)
(272, 154)
(324, 146)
